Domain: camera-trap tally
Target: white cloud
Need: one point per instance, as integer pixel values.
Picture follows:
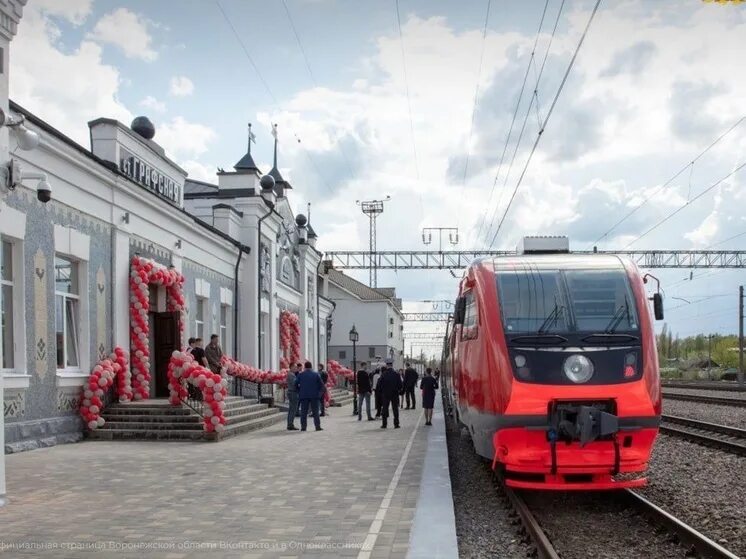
(199, 171)
(126, 30)
(66, 89)
(181, 86)
(150, 102)
(74, 11)
(181, 138)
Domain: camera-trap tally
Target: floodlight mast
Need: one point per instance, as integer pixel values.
(372, 208)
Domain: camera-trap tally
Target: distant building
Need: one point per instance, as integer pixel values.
(376, 314)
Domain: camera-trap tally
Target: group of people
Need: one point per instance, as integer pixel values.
(387, 385)
(306, 390)
(209, 356)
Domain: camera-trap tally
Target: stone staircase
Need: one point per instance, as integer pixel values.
(341, 397)
(158, 420)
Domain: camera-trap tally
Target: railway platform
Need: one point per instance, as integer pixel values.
(351, 490)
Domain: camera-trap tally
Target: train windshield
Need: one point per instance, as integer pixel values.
(555, 301)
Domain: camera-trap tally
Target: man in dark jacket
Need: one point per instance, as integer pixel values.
(363, 393)
(390, 385)
(410, 383)
(324, 379)
(309, 387)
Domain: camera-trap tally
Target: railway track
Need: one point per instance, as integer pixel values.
(730, 439)
(705, 386)
(738, 402)
(688, 536)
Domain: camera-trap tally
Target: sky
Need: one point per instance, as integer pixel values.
(417, 103)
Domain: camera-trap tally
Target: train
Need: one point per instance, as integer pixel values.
(550, 362)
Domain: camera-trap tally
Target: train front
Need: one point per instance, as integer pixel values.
(579, 357)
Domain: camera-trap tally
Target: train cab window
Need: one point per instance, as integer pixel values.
(601, 300)
(469, 329)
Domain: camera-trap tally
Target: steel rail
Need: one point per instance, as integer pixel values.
(715, 385)
(544, 547)
(680, 427)
(704, 545)
(739, 402)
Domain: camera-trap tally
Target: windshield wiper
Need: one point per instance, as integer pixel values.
(540, 338)
(617, 318)
(551, 319)
(607, 337)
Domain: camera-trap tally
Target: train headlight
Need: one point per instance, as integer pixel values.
(578, 368)
(520, 361)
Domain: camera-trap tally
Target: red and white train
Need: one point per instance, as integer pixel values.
(551, 364)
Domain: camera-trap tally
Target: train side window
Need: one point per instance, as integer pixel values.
(470, 328)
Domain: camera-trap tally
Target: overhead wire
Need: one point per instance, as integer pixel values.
(676, 175)
(688, 202)
(268, 89)
(512, 121)
(474, 105)
(546, 120)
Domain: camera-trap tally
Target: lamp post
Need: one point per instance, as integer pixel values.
(354, 337)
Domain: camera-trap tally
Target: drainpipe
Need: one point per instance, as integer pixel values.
(318, 312)
(241, 249)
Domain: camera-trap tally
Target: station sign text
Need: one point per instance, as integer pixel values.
(149, 177)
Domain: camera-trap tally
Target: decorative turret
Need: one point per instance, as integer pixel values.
(246, 164)
(280, 183)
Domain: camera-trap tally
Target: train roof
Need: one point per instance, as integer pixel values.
(562, 261)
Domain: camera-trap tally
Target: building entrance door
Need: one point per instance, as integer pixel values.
(165, 342)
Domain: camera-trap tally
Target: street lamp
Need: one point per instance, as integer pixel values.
(354, 337)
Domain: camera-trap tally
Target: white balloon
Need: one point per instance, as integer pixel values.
(220, 428)
(208, 412)
(86, 403)
(94, 409)
(214, 420)
(92, 424)
(209, 383)
(87, 394)
(100, 421)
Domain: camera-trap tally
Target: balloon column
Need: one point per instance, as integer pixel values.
(236, 369)
(289, 339)
(335, 368)
(144, 272)
(183, 367)
(100, 380)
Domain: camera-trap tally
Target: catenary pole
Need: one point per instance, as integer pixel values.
(740, 336)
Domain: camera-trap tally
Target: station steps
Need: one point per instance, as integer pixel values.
(158, 420)
(341, 397)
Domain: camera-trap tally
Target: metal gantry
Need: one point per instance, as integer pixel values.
(458, 259)
(426, 316)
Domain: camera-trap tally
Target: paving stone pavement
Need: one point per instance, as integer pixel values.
(266, 494)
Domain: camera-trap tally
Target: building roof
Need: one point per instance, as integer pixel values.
(192, 186)
(246, 163)
(357, 288)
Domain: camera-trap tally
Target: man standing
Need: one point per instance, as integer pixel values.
(390, 384)
(322, 398)
(309, 386)
(292, 397)
(214, 354)
(410, 383)
(363, 393)
(375, 376)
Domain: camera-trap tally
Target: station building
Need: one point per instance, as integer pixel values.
(376, 314)
(66, 266)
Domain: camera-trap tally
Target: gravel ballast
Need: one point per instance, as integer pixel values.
(582, 525)
(732, 416)
(483, 527)
(701, 486)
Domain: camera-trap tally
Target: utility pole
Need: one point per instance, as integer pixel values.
(709, 356)
(427, 235)
(740, 336)
(372, 208)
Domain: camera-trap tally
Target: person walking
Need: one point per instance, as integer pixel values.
(214, 354)
(410, 383)
(401, 394)
(391, 386)
(429, 384)
(375, 376)
(363, 393)
(292, 397)
(322, 398)
(309, 386)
